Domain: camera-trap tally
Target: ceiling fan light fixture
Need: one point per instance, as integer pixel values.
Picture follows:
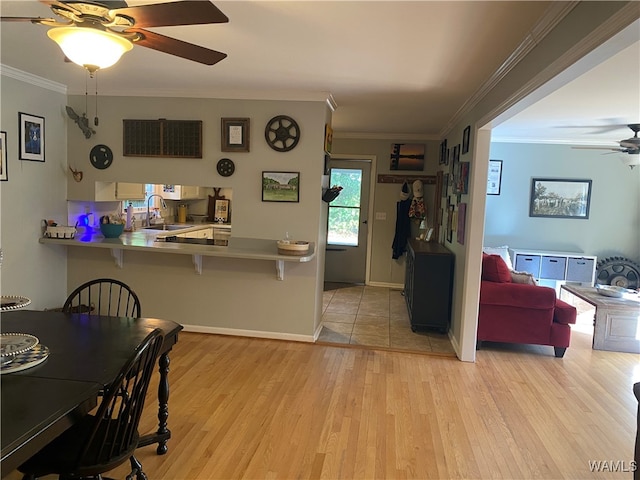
(89, 47)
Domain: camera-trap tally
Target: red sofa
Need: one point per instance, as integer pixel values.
(521, 313)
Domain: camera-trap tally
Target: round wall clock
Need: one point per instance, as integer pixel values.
(101, 157)
(225, 167)
(282, 133)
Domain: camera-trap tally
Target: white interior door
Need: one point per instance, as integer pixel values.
(346, 258)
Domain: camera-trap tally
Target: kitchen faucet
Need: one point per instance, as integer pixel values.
(164, 205)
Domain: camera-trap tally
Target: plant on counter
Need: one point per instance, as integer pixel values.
(116, 218)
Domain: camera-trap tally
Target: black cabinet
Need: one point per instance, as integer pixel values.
(428, 285)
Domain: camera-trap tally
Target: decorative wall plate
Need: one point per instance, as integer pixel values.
(12, 344)
(282, 133)
(225, 167)
(101, 157)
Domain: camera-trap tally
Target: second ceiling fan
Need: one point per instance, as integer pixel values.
(117, 27)
(630, 145)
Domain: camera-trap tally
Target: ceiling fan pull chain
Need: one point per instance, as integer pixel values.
(95, 120)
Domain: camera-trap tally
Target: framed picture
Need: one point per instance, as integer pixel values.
(407, 156)
(495, 177)
(31, 137)
(462, 214)
(328, 138)
(443, 152)
(560, 198)
(280, 186)
(235, 134)
(464, 178)
(3, 157)
(466, 136)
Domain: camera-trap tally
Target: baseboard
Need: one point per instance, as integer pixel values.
(251, 333)
(395, 286)
(454, 344)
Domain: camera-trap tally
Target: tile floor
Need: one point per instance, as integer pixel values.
(375, 317)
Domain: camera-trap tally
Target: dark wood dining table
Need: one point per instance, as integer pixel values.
(85, 355)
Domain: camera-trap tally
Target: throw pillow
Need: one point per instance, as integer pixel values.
(503, 251)
(523, 277)
(494, 269)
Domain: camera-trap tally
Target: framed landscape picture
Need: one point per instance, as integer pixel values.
(280, 186)
(560, 198)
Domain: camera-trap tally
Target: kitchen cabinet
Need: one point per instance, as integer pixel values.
(181, 192)
(428, 285)
(117, 191)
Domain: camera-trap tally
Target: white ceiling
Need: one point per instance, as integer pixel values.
(392, 67)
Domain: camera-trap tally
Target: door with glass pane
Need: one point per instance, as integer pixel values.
(346, 258)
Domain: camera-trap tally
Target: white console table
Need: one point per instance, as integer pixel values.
(556, 268)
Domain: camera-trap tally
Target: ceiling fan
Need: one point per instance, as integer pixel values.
(630, 145)
(117, 27)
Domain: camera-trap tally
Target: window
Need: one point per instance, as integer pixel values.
(344, 211)
(140, 206)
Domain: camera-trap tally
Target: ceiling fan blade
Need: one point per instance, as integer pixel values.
(599, 148)
(190, 12)
(25, 19)
(177, 47)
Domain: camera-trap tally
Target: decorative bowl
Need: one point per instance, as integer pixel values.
(612, 291)
(293, 247)
(112, 230)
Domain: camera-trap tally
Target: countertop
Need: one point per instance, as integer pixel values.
(249, 248)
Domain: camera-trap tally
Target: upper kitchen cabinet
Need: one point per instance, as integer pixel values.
(117, 191)
(181, 192)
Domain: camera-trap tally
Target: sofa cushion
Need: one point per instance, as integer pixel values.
(523, 277)
(503, 251)
(494, 269)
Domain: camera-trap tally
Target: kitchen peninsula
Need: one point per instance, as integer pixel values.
(234, 290)
(151, 240)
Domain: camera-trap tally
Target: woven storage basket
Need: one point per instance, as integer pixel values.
(293, 247)
(60, 232)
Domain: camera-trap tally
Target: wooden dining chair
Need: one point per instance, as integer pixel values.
(102, 441)
(104, 296)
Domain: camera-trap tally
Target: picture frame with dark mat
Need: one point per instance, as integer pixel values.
(466, 138)
(32, 146)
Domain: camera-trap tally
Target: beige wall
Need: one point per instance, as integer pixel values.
(34, 191)
(383, 269)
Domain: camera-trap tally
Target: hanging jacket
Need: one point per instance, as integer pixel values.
(403, 228)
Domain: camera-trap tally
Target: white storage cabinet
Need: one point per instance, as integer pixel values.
(556, 267)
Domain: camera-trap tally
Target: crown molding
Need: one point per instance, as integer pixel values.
(25, 77)
(552, 16)
(552, 141)
(386, 136)
(604, 32)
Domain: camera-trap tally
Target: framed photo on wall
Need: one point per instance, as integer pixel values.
(235, 134)
(31, 137)
(3, 157)
(560, 198)
(466, 137)
(494, 178)
(280, 186)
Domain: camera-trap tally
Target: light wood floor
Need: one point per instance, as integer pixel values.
(265, 409)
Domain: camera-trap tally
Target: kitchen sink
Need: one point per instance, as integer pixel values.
(169, 226)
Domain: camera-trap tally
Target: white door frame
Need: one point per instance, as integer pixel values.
(372, 184)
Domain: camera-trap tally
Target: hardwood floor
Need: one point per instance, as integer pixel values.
(257, 409)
